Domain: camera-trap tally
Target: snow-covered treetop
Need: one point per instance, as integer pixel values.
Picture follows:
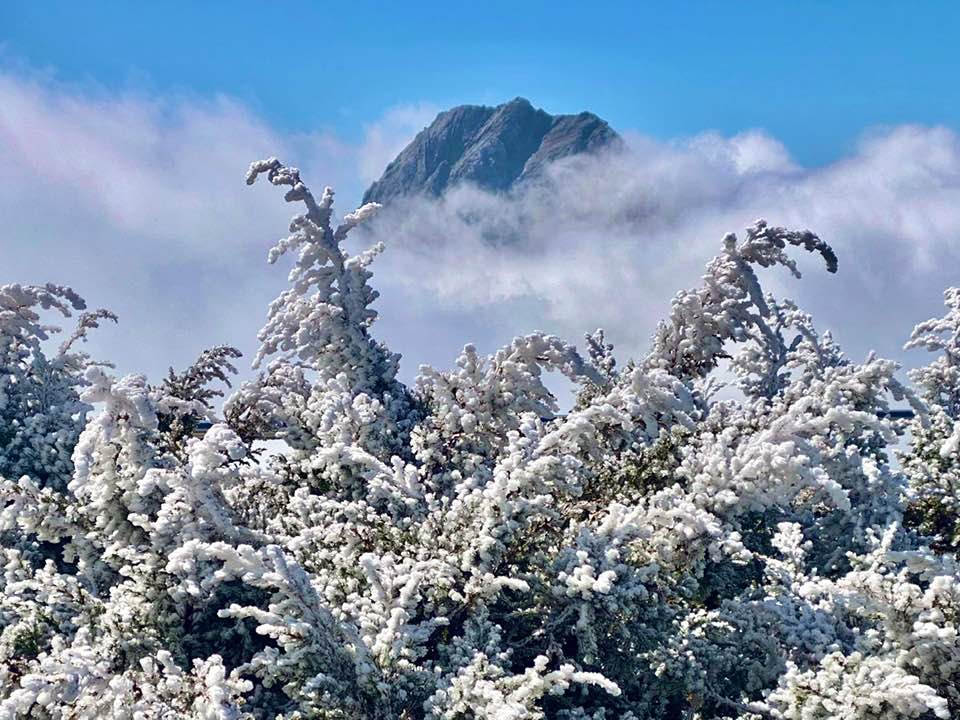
(41, 413)
(939, 382)
(462, 549)
(730, 306)
(322, 319)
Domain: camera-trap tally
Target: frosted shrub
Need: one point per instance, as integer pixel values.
(461, 548)
(933, 463)
(41, 414)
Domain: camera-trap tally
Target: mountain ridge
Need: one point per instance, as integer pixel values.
(493, 147)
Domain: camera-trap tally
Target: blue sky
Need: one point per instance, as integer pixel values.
(813, 74)
(126, 128)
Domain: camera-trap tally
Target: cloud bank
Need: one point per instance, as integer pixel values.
(607, 240)
(139, 203)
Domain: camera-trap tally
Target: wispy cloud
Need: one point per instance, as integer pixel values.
(607, 240)
(139, 203)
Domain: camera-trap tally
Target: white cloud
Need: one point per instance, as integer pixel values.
(608, 240)
(139, 203)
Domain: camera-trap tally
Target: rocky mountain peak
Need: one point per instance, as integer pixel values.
(492, 147)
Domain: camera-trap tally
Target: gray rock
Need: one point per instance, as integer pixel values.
(492, 147)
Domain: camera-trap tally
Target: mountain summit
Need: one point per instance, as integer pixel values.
(492, 147)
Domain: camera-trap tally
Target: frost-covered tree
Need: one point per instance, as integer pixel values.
(41, 414)
(463, 549)
(933, 463)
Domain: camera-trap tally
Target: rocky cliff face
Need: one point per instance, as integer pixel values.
(492, 147)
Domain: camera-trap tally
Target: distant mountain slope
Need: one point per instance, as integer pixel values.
(493, 147)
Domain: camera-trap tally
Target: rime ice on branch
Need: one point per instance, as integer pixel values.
(460, 548)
